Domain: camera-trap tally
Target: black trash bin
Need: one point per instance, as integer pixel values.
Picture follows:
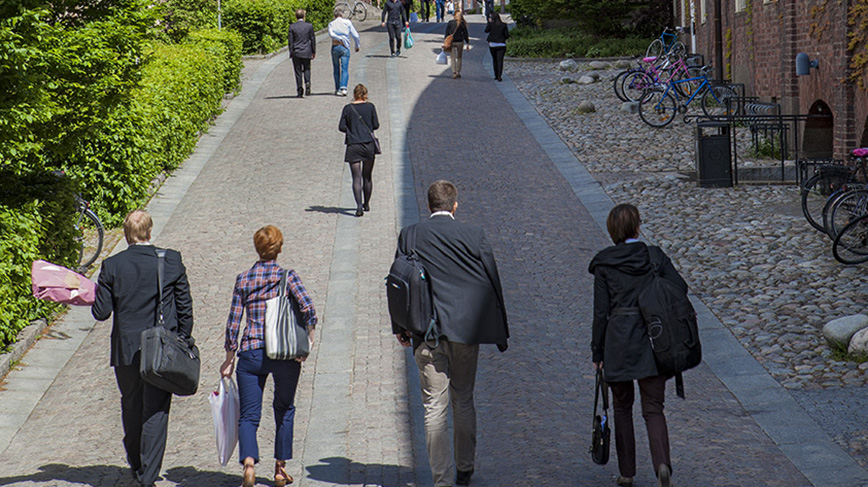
(713, 155)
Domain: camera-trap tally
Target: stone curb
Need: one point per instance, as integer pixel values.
(25, 339)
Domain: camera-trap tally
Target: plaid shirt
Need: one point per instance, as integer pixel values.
(253, 288)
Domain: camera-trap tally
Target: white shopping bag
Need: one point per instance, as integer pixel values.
(441, 58)
(225, 408)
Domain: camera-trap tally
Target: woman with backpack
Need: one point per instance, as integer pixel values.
(620, 344)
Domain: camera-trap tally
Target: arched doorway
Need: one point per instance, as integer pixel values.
(818, 140)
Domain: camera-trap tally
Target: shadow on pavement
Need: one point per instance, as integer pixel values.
(92, 475)
(332, 209)
(336, 468)
(193, 477)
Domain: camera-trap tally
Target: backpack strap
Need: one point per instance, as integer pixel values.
(161, 259)
(679, 385)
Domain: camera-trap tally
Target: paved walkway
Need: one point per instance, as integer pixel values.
(275, 159)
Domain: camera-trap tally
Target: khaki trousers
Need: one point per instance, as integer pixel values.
(457, 52)
(448, 375)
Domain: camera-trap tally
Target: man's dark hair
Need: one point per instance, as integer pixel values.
(442, 196)
(300, 14)
(623, 223)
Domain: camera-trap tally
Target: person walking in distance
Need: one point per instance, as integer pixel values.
(341, 31)
(358, 121)
(394, 19)
(488, 6)
(302, 49)
(498, 33)
(253, 288)
(426, 10)
(439, 10)
(468, 301)
(457, 28)
(620, 343)
(128, 289)
(408, 8)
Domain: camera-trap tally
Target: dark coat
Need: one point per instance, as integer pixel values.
(468, 297)
(620, 337)
(302, 40)
(497, 32)
(393, 13)
(458, 32)
(128, 287)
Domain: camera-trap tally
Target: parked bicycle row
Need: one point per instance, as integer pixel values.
(835, 202)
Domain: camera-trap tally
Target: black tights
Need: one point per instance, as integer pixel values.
(362, 172)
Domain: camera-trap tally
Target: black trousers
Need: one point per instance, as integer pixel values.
(426, 10)
(145, 415)
(497, 54)
(652, 391)
(394, 36)
(302, 73)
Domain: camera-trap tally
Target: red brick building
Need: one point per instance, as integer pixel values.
(759, 41)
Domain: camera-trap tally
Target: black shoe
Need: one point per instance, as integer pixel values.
(300, 95)
(463, 478)
(398, 53)
(499, 78)
(307, 89)
(366, 207)
(392, 55)
(360, 211)
(664, 476)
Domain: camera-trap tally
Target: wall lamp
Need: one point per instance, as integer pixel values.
(804, 64)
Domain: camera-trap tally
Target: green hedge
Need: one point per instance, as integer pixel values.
(537, 42)
(263, 24)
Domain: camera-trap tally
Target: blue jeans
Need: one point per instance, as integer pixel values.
(341, 65)
(439, 9)
(252, 370)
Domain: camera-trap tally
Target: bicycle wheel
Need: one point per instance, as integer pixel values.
(658, 108)
(851, 245)
(816, 191)
(635, 84)
(360, 11)
(716, 102)
(619, 79)
(827, 209)
(89, 237)
(677, 49)
(346, 10)
(655, 49)
(847, 207)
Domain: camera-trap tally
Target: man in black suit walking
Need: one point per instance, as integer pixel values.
(302, 48)
(128, 287)
(468, 300)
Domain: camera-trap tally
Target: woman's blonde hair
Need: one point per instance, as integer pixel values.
(360, 92)
(268, 241)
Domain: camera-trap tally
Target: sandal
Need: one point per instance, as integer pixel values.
(281, 478)
(249, 476)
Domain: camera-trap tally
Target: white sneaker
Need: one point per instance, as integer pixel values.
(343, 92)
(338, 93)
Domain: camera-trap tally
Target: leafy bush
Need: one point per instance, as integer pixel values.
(601, 18)
(182, 17)
(226, 47)
(263, 24)
(36, 222)
(535, 42)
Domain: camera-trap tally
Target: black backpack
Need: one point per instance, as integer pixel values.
(671, 322)
(408, 292)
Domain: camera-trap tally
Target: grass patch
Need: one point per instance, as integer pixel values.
(533, 42)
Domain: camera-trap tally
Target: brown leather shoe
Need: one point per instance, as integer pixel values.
(624, 481)
(281, 478)
(249, 476)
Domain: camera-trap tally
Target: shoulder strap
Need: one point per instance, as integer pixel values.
(656, 255)
(362, 119)
(161, 259)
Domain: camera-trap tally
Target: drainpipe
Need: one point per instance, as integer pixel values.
(718, 40)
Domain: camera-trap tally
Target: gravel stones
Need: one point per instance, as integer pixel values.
(566, 80)
(587, 80)
(838, 332)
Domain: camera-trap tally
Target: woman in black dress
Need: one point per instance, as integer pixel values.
(358, 121)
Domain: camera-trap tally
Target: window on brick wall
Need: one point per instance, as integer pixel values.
(740, 5)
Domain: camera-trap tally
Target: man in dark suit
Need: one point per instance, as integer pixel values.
(468, 301)
(302, 48)
(128, 288)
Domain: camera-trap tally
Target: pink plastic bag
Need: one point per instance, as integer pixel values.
(862, 152)
(61, 285)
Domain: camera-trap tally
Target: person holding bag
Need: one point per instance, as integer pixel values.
(129, 289)
(253, 288)
(620, 344)
(358, 121)
(455, 40)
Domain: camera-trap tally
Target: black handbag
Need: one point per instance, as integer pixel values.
(377, 149)
(602, 434)
(168, 361)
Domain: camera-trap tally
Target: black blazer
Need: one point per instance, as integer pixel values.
(302, 40)
(497, 32)
(128, 287)
(467, 293)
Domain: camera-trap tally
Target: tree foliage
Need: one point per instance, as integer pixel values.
(601, 18)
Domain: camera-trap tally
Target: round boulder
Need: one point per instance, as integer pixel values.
(599, 65)
(587, 80)
(568, 65)
(623, 64)
(566, 80)
(586, 107)
(838, 332)
(859, 343)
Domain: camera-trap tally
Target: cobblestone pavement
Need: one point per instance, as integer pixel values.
(280, 164)
(747, 251)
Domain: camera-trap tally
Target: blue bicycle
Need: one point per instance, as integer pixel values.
(661, 103)
(667, 43)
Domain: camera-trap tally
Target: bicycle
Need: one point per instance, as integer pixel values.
(89, 234)
(828, 181)
(630, 85)
(358, 10)
(659, 106)
(851, 245)
(667, 43)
